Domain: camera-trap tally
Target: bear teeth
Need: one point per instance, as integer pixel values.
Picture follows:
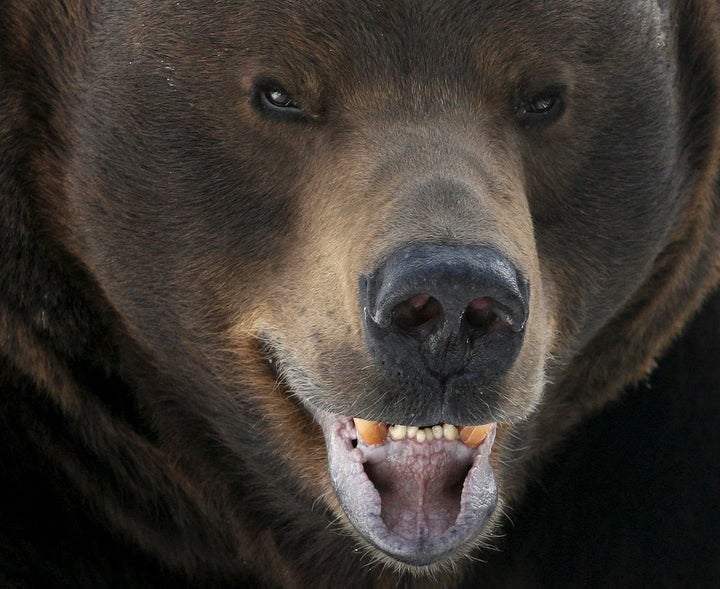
(375, 432)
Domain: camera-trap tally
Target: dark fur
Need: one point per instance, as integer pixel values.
(150, 216)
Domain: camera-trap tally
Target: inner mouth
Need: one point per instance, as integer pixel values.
(419, 494)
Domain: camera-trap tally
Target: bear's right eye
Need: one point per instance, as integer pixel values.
(274, 101)
(278, 99)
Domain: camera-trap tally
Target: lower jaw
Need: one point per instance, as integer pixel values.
(418, 522)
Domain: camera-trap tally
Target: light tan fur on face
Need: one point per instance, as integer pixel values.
(366, 204)
(360, 208)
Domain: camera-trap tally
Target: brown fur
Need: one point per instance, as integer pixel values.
(180, 271)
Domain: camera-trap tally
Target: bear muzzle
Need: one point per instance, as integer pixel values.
(445, 311)
(419, 495)
(443, 324)
(409, 439)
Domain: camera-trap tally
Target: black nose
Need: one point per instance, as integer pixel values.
(439, 311)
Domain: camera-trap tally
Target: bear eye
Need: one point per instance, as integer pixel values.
(541, 110)
(541, 105)
(274, 101)
(279, 99)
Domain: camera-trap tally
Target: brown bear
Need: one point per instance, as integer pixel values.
(341, 293)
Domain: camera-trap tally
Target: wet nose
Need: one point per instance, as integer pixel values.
(445, 310)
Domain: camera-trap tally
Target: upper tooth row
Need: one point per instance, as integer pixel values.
(422, 434)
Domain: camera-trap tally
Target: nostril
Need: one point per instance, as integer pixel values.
(417, 312)
(485, 315)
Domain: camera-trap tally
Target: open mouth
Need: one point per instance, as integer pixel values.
(417, 494)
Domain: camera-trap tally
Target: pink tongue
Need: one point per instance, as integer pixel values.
(420, 485)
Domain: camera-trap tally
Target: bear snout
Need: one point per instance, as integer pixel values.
(440, 314)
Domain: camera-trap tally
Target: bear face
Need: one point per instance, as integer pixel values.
(235, 197)
(315, 221)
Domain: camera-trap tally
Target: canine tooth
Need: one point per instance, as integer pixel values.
(372, 432)
(398, 432)
(420, 435)
(473, 436)
(412, 431)
(450, 432)
(437, 431)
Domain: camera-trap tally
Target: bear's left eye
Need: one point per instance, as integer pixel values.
(541, 110)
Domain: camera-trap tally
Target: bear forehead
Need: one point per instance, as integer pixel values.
(391, 29)
(412, 48)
